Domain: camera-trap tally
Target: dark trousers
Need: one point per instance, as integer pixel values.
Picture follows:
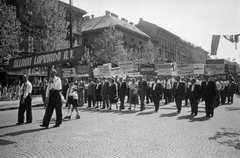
(54, 103)
(223, 96)
(142, 98)
(91, 100)
(209, 107)
(194, 106)
(149, 96)
(85, 95)
(230, 96)
(156, 101)
(186, 98)
(27, 106)
(217, 99)
(167, 96)
(105, 101)
(122, 98)
(178, 102)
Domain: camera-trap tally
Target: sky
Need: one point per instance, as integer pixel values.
(192, 20)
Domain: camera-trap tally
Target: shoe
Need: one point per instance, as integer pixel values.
(129, 108)
(178, 112)
(27, 122)
(96, 107)
(19, 123)
(89, 107)
(102, 108)
(207, 116)
(67, 117)
(211, 116)
(109, 108)
(195, 115)
(78, 117)
(56, 125)
(43, 126)
(191, 114)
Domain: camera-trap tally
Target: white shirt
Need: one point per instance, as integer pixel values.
(154, 86)
(56, 85)
(193, 85)
(218, 85)
(26, 88)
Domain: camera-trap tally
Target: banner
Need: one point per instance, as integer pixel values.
(116, 71)
(185, 69)
(82, 69)
(198, 69)
(164, 69)
(126, 66)
(69, 72)
(105, 71)
(133, 74)
(45, 59)
(215, 66)
(147, 69)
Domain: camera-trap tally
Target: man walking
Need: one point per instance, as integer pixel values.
(194, 96)
(53, 100)
(143, 87)
(208, 93)
(91, 93)
(156, 91)
(178, 93)
(25, 102)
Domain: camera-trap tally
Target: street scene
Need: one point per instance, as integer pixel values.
(103, 133)
(106, 79)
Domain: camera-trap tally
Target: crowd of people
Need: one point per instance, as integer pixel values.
(104, 92)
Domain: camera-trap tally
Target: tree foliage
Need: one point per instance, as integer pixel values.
(47, 26)
(10, 30)
(108, 47)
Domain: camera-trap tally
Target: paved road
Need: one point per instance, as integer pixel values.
(132, 134)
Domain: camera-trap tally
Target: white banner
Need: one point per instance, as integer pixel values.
(116, 71)
(198, 69)
(133, 74)
(214, 69)
(164, 69)
(69, 72)
(126, 66)
(105, 71)
(185, 69)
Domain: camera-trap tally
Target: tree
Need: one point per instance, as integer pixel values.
(108, 47)
(10, 31)
(47, 27)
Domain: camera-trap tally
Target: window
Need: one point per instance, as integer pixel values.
(85, 39)
(140, 42)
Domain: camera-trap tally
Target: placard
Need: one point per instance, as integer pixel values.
(126, 66)
(69, 72)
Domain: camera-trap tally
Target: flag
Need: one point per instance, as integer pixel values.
(232, 38)
(215, 43)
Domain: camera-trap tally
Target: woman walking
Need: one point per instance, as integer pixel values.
(133, 93)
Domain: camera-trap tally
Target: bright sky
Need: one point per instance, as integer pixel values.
(192, 20)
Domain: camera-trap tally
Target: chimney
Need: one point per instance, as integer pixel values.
(123, 19)
(92, 16)
(107, 13)
(114, 15)
(131, 23)
(141, 19)
(87, 17)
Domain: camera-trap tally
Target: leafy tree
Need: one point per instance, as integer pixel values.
(47, 27)
(108, 47)
(10, 30)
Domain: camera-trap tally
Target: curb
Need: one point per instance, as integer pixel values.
(13, 108)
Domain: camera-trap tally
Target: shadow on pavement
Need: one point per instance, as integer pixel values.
(169, 114)
(145, 113)
(125, 111)
(8, 126)
(169, 108)
(192, 118)
(228, 136)
(23, 132)
(6, 142)
(232, 108)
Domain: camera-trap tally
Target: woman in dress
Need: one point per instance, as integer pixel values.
(112, 94)
(98, 96)
(133, 93)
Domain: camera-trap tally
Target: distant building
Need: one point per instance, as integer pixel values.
(93, 26)
(198, 55)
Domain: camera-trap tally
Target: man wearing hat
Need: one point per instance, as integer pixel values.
(194, 96)
(53, 100)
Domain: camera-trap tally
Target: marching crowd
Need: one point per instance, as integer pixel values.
(105, 92)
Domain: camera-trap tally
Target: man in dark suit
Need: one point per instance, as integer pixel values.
(208, 92)
(104, 92)
(143, 87)
(122, 91)
(194, 96)
(156, 93)
(178, 93)
(230, 90)
(91, 93)
(65, 87)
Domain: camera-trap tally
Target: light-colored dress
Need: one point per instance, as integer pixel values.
(133, 93)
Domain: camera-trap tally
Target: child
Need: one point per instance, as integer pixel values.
(73, 99)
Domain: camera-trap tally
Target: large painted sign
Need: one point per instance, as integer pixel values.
(214, 66)
(185, 69)
(164, 69)
(147, 69)
(198, 69)
(126, 66)
(45, 59)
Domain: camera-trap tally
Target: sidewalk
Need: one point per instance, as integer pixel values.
(14, 104)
